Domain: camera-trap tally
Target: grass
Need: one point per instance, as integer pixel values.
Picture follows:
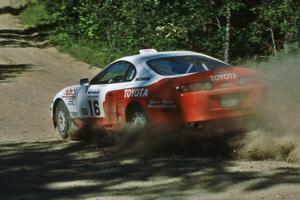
(34, 14)
(95, 55)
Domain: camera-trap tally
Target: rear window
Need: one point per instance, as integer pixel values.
(177, 65)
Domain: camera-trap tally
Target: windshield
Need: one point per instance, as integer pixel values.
(178, 65)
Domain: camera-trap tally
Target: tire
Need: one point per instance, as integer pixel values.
(64, 123)
(138, 118)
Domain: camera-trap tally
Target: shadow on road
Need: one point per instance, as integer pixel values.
(20, 44)
(28, 31)
(51, 170)
(12, 10)
(16, 38)
(12, 70)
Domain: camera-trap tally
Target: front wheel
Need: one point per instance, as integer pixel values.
(63, 120)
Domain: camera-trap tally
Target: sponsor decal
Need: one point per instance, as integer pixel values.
(161, 104)
(167, 102)
(136, 92)
(142, 79)
(93, 94)
(223, 76)
(154, 102)
(70, 92)
(69, 99)
(71, 102)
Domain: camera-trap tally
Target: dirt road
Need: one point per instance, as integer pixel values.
(30, 75)
(34, 164)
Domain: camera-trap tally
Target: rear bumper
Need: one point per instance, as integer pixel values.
(207, 106)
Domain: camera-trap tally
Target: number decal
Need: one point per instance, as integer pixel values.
(91, 107)
(94, 108)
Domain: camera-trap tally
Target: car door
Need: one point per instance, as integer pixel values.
(90, 98)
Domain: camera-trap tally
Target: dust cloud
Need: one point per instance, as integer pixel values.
(278, 122)
(153, 141)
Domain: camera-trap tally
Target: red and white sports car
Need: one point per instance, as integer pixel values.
(167, 89)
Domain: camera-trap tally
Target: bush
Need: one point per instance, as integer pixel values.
(34, 15)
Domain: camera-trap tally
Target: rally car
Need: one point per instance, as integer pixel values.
(165, 89)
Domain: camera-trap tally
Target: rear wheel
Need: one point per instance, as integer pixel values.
(137, 117)
(63, 120)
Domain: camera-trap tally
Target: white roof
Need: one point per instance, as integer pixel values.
(143, 57)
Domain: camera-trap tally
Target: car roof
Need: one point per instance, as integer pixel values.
(143, 57)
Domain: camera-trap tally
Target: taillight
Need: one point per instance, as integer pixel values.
(192, 87)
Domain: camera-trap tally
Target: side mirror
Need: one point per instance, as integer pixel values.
(84, 82)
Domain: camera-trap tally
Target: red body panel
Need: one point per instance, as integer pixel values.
(167, 106)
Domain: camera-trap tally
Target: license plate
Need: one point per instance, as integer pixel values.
(230, 100)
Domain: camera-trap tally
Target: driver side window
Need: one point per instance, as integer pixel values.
(115, 73)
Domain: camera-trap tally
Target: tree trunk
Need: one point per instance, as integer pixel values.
(273, 42)
(218, 22)
(227, 35)
(288, 34)
(108, 38)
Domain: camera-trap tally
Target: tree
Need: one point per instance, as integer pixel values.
(220, 28)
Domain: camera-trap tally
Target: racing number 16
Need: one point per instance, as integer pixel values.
(94, 108)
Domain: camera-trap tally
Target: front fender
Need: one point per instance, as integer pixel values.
(68, 96)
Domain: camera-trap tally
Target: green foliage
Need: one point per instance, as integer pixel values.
(34, 14)
(94, 54)
(100, 30)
